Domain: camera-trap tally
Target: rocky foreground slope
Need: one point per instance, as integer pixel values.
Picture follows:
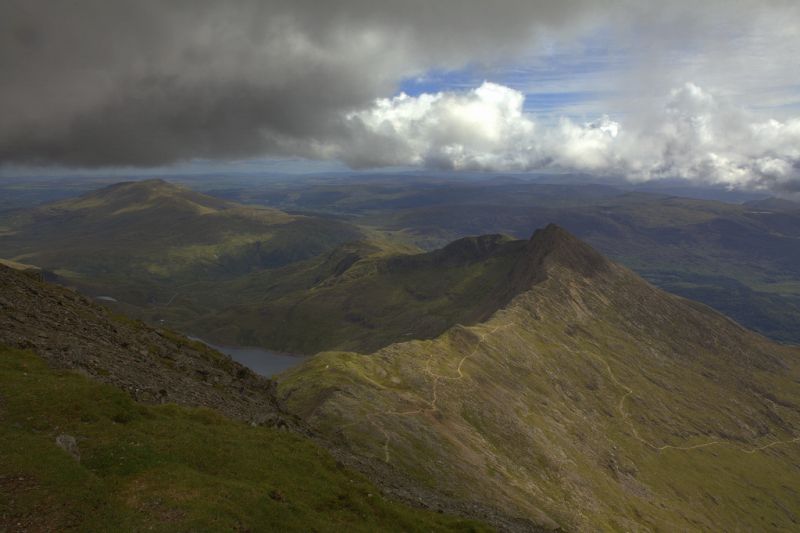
(80, 455)
(592, 401)
(153, 365)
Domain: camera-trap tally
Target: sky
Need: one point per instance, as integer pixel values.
(708, 92)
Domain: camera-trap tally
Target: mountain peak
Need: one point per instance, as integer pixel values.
(148, 186)
(151, 182)
(139, 195)
(470, 249)
(555, 245)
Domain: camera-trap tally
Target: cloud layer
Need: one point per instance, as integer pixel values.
(692, 136)
(145, 83)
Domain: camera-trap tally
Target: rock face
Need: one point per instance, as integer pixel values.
(153, 365)
(590, 401)
(69, 445)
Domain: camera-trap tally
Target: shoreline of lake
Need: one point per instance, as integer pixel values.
(264, 362)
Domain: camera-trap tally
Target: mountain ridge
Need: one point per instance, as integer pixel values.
(361, 300)
(592, 400)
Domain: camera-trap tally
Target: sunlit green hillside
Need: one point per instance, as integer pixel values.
(592, 401)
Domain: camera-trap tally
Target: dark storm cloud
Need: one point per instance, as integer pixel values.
(150, 83)
(146, 83)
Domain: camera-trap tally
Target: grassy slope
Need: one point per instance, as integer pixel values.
(740, 259)
(141, 240)
(360, 297)
(699, 249)
(556, 406)
(173, 254)
(166, 468)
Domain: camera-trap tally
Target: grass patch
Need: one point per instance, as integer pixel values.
(168, 468)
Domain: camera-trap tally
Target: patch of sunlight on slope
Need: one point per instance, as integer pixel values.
(261, 214)
(18, 266)
(145, 206)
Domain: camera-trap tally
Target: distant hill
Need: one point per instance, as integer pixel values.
(774, 204)
(138, 241)
(258, 276)
(360, 299)
(159, 229)
(248, 275)
(356, 298)
(743, 260)
(78, 453)
(589, 401)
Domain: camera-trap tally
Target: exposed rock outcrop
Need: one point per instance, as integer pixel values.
(153, 365)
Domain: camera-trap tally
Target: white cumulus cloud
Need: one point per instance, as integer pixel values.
(481, 128)
(692, 135)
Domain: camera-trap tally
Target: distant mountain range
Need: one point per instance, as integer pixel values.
(530, 384)
(270, 275)
(741, 259)
(145, 244)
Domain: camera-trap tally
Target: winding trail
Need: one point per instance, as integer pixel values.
(459, 369)
(175, 295)
(436, 378)
(626, 416)
(168, 303)
(434, 398)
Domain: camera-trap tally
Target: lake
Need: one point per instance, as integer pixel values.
(261, 361)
